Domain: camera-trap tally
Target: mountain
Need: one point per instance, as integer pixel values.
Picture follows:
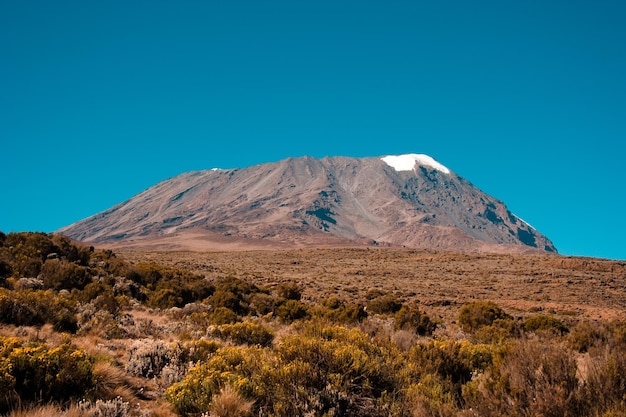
(406, 200)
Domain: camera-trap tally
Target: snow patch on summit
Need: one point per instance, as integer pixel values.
(408, 162)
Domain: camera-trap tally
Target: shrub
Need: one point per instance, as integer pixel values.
(247, 332)
(499, 331)
(289, 291)
(108, 408)
(34, 371)
(328, 370)
(223, 315)
(384, 304)
(444, 360)
(291, 310)
(532, 379)
(339, 311)
(410, 318)
(35, 308)
(226, 299)
(263, 304)
(545, 323)
(230, 366)
(474, 315)
(59, 275)
(148, 357)
(605, 388)
(586, 335)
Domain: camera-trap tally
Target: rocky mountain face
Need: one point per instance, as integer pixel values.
(407, 200)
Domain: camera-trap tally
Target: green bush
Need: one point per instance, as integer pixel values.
(474, 315)
(35, 308)
(328, 370)
(58, 275)
(247, 332)
(223, 315)
(586, 335)
(339, 311)
(36, 372)
(531, 378)
(545, 323)
(289, 291)
(26, 252)
(444, 360)
(291, 310)
(384, 304)
(499, 331)
(410, 318)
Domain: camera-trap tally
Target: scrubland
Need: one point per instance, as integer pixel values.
(307, 332)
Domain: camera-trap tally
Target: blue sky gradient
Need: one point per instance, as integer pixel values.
(527, 100)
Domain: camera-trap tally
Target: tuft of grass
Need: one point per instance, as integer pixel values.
(229, 403)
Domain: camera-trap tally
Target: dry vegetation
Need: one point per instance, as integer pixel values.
(318, 332)
(440, 282)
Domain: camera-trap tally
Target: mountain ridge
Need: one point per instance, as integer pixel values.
(307, 201)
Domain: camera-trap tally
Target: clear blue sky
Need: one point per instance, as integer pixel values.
(525, 99)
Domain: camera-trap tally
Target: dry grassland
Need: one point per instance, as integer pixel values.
(439, 282)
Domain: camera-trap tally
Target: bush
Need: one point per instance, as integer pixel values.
(248, 332)
(474, 315)
(35, 308)
(291, 310)
(532, 379)
(26, 252)
(384, 304)
(410, 318)
(223, 315)
(443, 360)
(339, 311)
(586, 335)
(328, 370)
(148, 357)
(289, 291)
(229, 366)
(36, 372)
(59, 275)
(545, 323)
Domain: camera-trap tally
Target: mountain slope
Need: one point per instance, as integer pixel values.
(409, 200)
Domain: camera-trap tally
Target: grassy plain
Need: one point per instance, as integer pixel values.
(439, 282)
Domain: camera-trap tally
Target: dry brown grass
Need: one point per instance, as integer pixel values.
(439, 282)
(111, 382)
(229, 403)
(49, 410)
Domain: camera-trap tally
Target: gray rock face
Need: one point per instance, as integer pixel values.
(308, 202)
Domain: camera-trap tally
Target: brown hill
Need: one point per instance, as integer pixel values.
(409, 200)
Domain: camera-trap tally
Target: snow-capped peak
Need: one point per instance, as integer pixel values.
(407, 162)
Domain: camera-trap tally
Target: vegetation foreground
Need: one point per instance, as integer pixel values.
(86, 332)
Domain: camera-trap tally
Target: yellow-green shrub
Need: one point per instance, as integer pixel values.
(229, 366)
(411, 318)
(340, 311)
(35, 371)
(542, 322)
(35, 308)
(323, 371)
(480, 313)
(291, 310)
(384, 304)
(247, 332)
(532, 378)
